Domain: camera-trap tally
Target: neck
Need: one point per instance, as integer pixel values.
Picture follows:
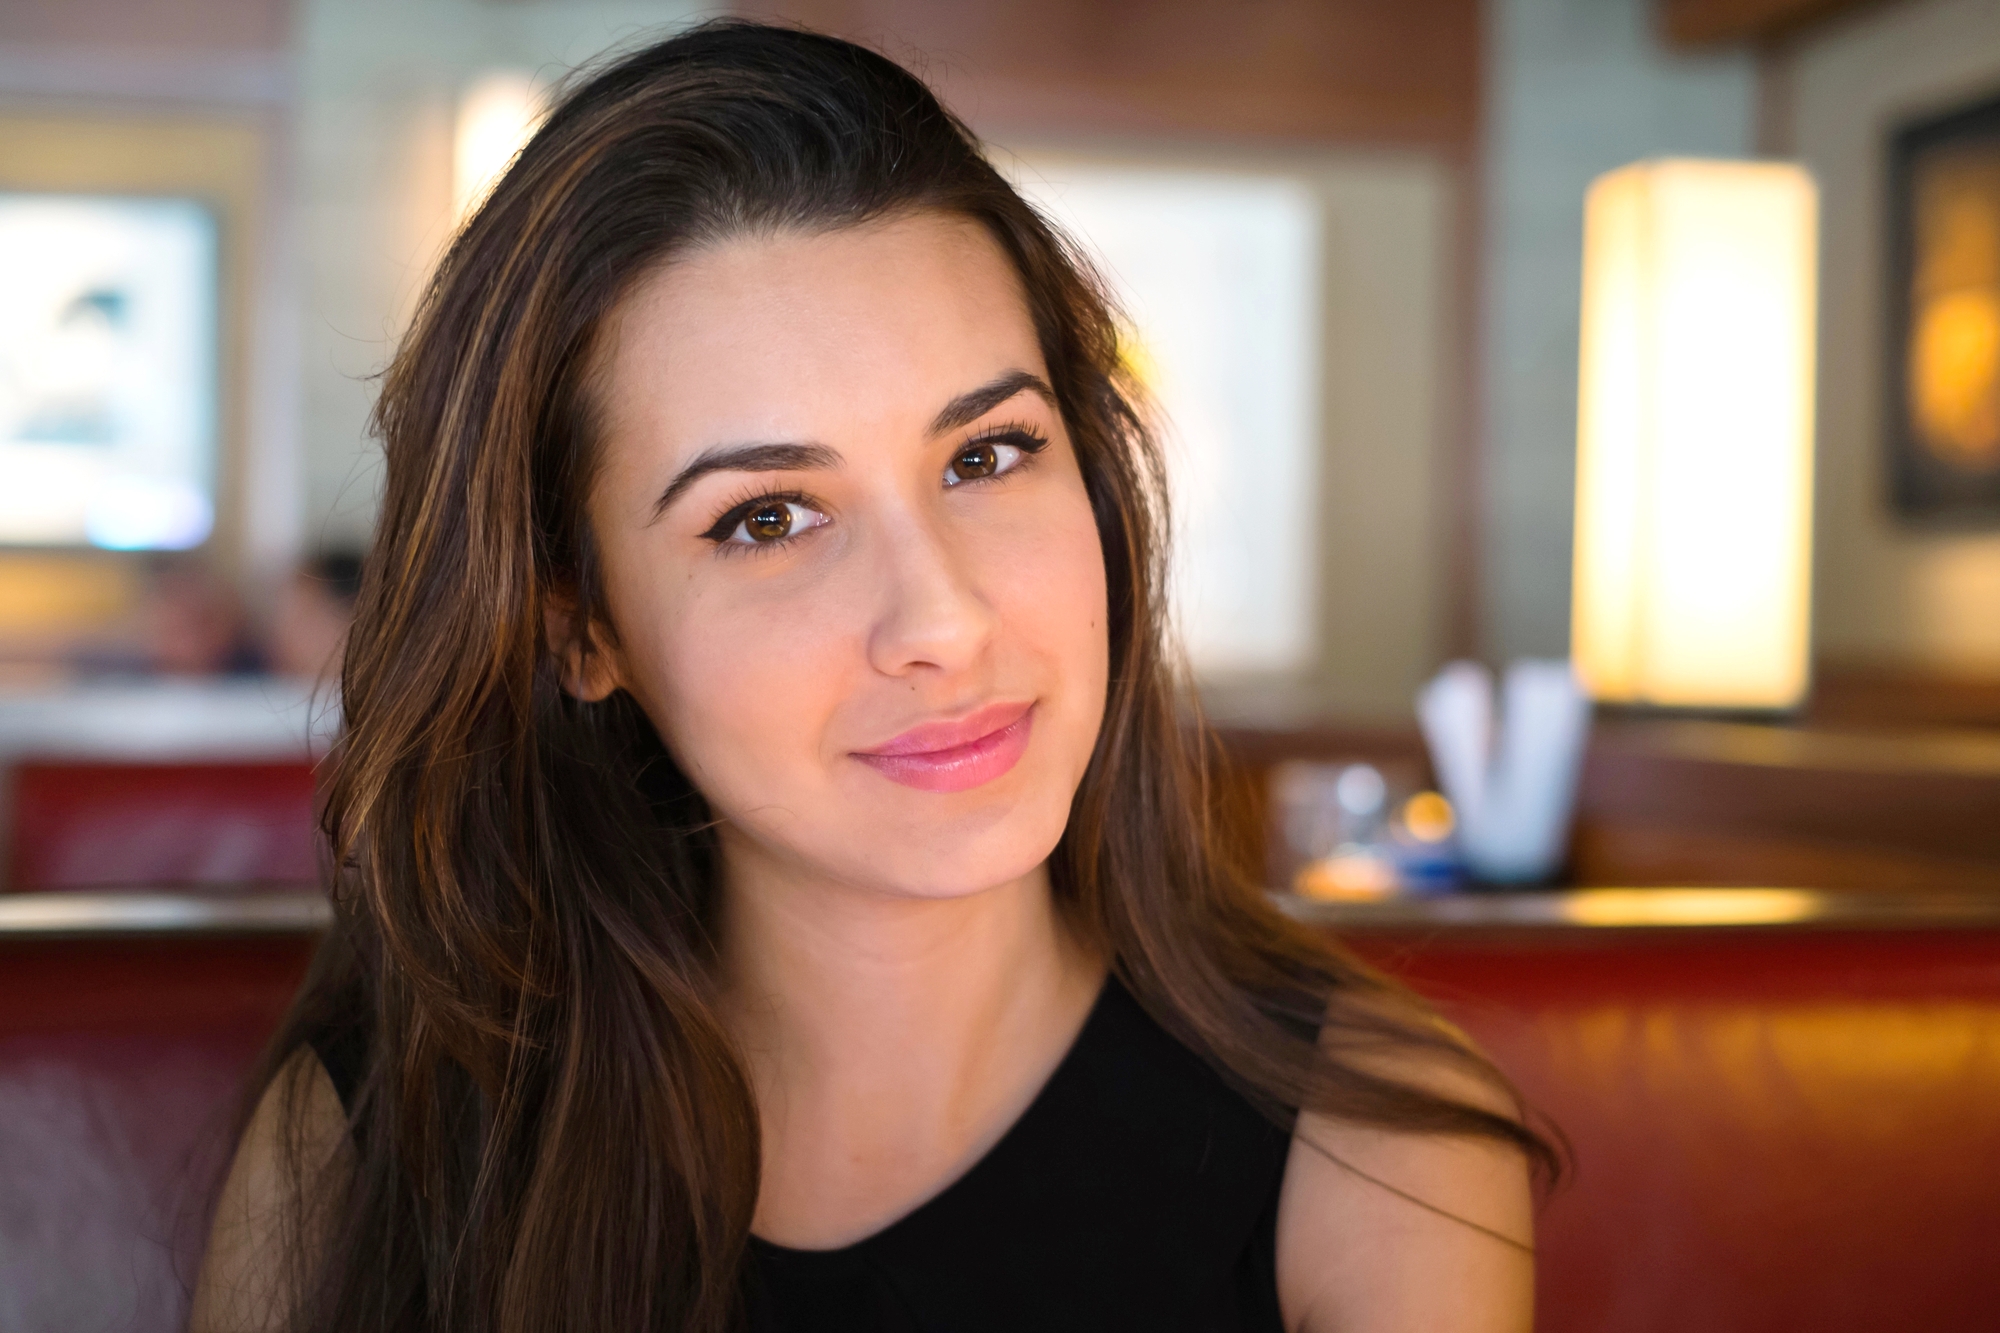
(890, 1039)
(818, 968)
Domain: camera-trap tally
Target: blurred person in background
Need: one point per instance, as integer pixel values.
(314, 609)
(779, 886)
(192, 622)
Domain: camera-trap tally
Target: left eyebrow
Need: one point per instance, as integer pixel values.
(973, 404)
(746, 458)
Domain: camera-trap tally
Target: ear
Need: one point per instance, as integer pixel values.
(592, 666)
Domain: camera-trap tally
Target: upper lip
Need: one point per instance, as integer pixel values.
(950, 734)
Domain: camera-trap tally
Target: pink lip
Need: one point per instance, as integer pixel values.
(958, 755)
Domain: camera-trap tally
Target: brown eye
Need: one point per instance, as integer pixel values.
(980, 460)
(766, 522)
(992, 455)
(769, 523)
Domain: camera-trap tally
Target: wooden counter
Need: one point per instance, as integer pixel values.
(304, 912)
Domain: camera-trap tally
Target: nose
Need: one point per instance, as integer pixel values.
(932, 615)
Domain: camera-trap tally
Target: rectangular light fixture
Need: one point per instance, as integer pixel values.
(1693, 571)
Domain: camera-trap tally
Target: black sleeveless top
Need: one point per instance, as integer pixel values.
(1138, 1190)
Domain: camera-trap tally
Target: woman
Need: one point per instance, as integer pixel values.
(777, 885)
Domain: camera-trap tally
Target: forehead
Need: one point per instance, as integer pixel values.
(814, 334)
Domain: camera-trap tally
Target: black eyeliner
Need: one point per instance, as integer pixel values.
(720, 531)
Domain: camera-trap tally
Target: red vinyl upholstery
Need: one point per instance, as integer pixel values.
(77, 825)
(119, 1070)
(1774, 1131)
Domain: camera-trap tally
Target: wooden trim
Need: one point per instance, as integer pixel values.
(1701, 23)
(1318, 71)
(1655, 909)
(1856, 694)
(290, 910)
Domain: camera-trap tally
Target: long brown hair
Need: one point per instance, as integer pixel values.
(553, 1129)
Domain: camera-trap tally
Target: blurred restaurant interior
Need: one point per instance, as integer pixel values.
(1585, 440)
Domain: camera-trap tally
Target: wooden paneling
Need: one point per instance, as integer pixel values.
(1721, 22)
(1716, 803)
(1318, 70)
(1859, 694)
(160, 26)
(1703, 803)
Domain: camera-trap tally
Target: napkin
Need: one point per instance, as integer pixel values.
(1511, 778)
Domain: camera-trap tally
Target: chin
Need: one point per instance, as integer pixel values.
(927, 854)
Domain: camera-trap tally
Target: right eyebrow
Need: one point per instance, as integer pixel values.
(745, 458)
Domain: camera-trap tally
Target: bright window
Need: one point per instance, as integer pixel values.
(107, 371)
(1219, 273)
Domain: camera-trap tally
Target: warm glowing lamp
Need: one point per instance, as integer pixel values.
(1695, 435)
(496, 115)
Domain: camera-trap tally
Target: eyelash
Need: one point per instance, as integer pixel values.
(719, 532)
(1028, 439)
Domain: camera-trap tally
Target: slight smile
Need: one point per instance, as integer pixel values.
(955, 756)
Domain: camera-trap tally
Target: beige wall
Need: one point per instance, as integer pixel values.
(1388, 383)
(1391, 390)
(378, 84)
(1884, 593)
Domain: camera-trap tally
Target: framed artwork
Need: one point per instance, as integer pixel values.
(1944, 318)
(108, 371)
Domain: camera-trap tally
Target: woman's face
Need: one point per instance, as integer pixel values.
(851, 571)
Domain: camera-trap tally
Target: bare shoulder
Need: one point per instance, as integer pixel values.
(1385, 1230)
(265, 1209)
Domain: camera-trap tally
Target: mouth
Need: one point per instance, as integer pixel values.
(957, 755)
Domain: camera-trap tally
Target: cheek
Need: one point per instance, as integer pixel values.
(740, 687)
(1050, 592)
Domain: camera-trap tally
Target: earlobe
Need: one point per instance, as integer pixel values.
(591, 669)
(591, 675)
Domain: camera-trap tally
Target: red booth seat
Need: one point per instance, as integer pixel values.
(1780, 1130)
(120, 1064)
(1774, 1130)
(79, 824)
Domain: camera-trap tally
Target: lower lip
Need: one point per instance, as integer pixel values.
(962, 767)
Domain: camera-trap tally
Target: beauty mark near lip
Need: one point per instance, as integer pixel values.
(955, 756)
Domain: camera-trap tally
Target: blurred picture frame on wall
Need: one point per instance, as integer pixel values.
(1943, 307)
(107, 370)
(139, 354)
